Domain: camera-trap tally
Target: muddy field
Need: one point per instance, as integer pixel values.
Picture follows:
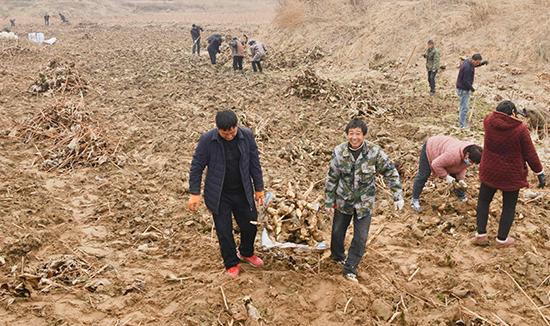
(96, 138)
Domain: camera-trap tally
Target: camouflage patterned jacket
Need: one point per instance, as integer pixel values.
(432, 59)
(351, 184)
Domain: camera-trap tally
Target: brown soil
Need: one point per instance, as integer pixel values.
(105, 239)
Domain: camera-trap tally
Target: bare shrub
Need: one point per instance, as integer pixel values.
(290, 14)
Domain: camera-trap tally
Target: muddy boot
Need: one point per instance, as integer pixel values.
(415, 204)
(480, 240)
(506, 243)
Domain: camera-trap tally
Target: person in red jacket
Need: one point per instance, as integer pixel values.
(447, 158)
(507, 147)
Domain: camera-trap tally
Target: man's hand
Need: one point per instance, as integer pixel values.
(462, 184)
(399, 204)
(194, 202)
(449, 179)
(473, 90)
(484, 62)
(542, 180)
(259, 195)
(330, 211)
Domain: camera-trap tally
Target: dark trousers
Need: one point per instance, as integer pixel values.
(235, 204)
(509, 201)
(212, 53)
(431, 80)
(423, 174)
(197, 46)
(237, 62)
(256, 65)
(356, 251)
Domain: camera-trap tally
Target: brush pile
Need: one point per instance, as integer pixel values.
(70, 137)
(59, 77)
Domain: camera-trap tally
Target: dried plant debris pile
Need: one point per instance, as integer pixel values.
(68, 135)
(59, 76)
(358, 98)
(291, 218)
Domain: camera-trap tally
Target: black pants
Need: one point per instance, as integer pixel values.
(197, 46)
(237, 205)
(212, 53)
(237, 63)
(256, 65)
(509, 201)
(431, 80)
(423, 174)
(356, 250)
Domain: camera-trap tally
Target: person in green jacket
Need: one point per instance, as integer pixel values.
(432, 64)
(350, 192)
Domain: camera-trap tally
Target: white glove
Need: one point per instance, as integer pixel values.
(462, 184)
(449, 179)
(399, 204)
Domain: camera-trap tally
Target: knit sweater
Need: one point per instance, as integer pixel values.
(507, 149)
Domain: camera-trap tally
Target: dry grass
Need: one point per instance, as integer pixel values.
(480, 12)
(290, 14)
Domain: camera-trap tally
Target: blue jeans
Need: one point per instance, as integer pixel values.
(464, 97)
(356, 251)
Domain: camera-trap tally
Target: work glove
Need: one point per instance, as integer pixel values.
(259, 196)
(542, 180)
(194, 202)
(449, 179)
(462, 184)
(472, 90)
(484, 62)
(399, 204)
(330, 209)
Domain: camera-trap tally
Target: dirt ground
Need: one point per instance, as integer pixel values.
(94, 183)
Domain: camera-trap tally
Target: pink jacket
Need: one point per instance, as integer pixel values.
(446, 156)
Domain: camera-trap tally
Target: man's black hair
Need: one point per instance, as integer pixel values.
(507, 107)
(226, 119)
(357, 123)
(474, 153)
(476, 57)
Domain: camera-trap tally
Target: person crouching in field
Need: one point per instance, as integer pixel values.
(448, 158)
(508, 147)
(233, 185)
(350, 193)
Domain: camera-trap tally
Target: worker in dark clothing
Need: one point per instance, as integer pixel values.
(47, 19)
(233, 186)
(63, 18)
(196, 36)
(12, 22)
(214, 44)
(464, 85)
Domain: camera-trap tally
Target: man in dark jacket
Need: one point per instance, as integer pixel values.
(233, 183)
(214, 44)
(196, 36)
(46, 19)
(464, 85)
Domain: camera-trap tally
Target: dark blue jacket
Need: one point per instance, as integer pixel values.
(466, 74)
(210, 153)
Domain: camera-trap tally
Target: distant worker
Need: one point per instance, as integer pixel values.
(63, 18)
(12, 22)
(214, 44)
(432, 64)
(464, 86)
(237, 51)
(448, 158)
(47, 19)
(508, 147)
(196, 37)
(258, 52)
